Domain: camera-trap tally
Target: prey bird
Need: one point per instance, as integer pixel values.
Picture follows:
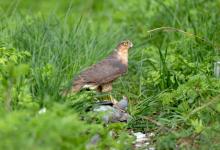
(100, 76)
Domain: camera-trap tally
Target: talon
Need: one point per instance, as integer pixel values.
(114, 101)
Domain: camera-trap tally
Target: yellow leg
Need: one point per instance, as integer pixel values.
(115, 104)
(108, 88)
(114, 101)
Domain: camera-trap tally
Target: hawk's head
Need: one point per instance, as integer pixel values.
(125, 45)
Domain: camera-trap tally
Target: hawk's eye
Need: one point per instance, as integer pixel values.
(125, 43)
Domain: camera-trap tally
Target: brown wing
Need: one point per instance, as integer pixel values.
(102, 72)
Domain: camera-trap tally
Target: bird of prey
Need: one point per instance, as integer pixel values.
(100, 76)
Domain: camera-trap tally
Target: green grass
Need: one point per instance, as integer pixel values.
(170, 83)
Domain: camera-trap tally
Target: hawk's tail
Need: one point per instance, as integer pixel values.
(73, 89)
(76, 88)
